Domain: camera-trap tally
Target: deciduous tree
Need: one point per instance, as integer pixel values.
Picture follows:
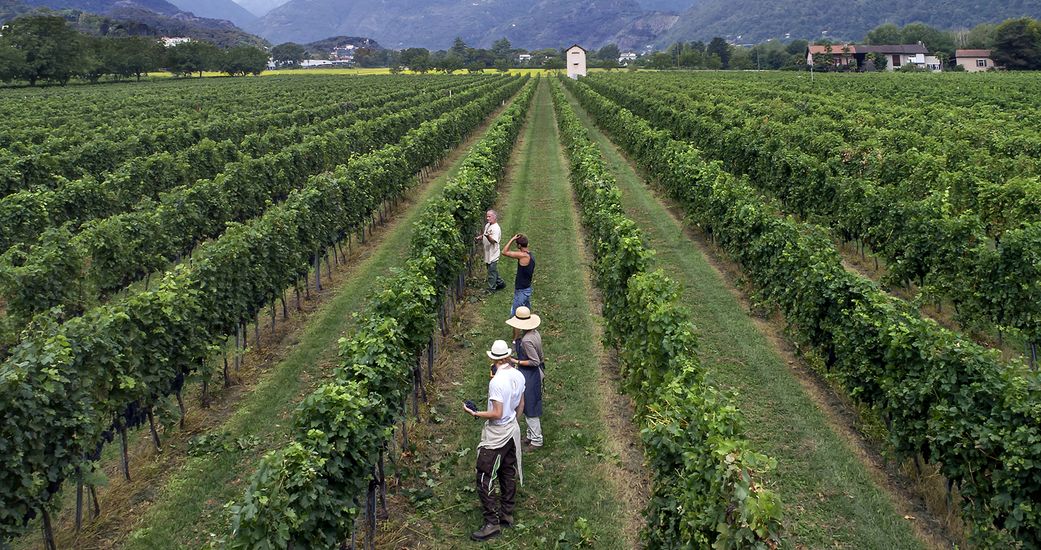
(288, 54)
(1017, 44)
(720, 49)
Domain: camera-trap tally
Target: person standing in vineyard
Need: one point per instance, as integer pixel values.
(530, 360)
(490, 238)
(499, 452)
(525, 271)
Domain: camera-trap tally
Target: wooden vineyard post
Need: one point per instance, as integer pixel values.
(415, 395)
(382, 476)
(48, 532)
(238, 346)
(205, 392)
(95, 511)
(227, 380)
(317, 272)
(430, 359)
(126, 457)
(151, 426)
(370, 516)
(79, 500)
(180, 405)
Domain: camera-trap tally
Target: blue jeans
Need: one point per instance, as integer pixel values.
(521, 297)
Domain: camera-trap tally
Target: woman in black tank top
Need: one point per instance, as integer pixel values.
(524, 273)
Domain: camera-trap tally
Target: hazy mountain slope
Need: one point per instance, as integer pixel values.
(120, 17)
(435, 23)
(217, 9)
(107, 6)
(677, 6)
(757, 20)
(260, 8)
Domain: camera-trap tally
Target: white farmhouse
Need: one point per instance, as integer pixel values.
(975, 61)
(627, 57)
(575, 57)
(171, 41)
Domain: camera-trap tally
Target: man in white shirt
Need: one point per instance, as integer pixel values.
(499, 452)
(490, 238)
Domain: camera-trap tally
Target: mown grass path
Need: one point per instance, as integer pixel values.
(831, 499)
(575, 486)
(188, 510)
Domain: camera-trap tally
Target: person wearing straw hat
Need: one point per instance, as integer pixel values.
(530, 361)
(499, 452)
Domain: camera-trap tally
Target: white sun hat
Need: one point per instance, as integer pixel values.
(499, 350)
(524, 319)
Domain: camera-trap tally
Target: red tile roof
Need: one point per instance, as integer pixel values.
(971, 53)
(836, 49)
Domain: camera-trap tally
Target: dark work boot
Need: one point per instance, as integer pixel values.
(506, 520)
(488, 531)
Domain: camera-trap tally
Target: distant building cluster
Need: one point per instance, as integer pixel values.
(343, 53)
(171, 41)
(859, 56)
(894, 56)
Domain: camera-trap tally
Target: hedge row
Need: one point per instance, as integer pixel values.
(942, 397)
(307, 494)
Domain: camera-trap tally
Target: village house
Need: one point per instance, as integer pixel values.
(343, 53)
(856, 56)
(171, 41)
(627, 57)
(524, 58)
(974, 61)
(576, 61)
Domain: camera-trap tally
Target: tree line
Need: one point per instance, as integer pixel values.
(460, 56)
(43, 48)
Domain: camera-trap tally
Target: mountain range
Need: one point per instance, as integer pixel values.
(134, 17)
(632, 24)
(435, 23)
(753, 21)
(260, 7)
(218, 9)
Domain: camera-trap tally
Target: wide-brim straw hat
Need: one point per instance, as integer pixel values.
(524, 319)
(499, 350)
